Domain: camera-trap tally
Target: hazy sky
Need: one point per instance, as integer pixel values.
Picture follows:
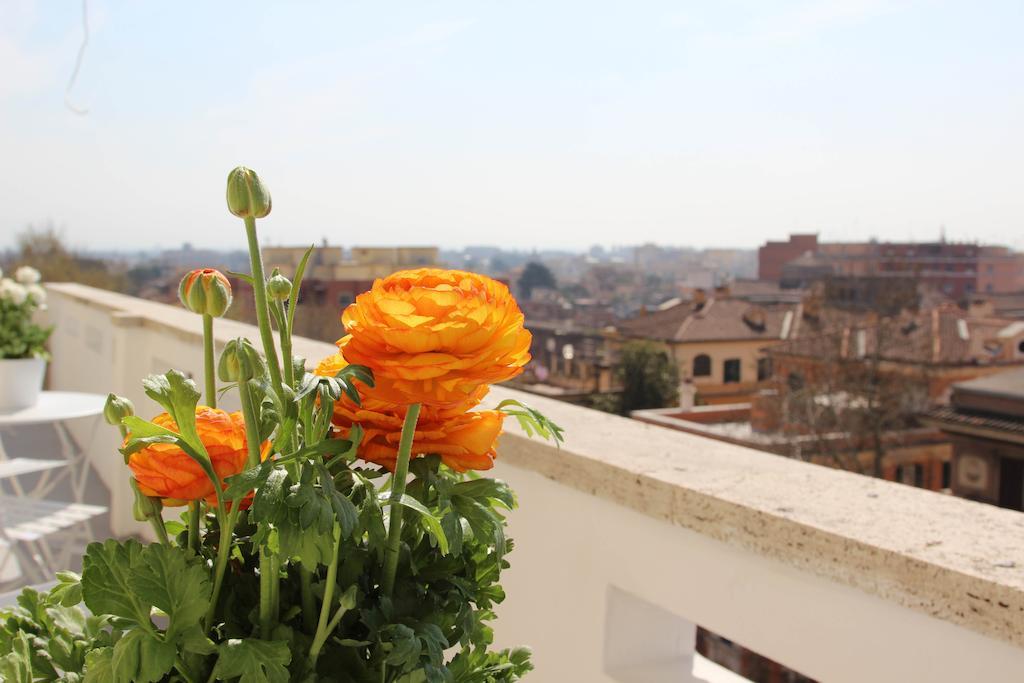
(555, 123)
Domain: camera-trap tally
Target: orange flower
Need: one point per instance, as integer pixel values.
(464, 440)
(435, 336)
(165, 471)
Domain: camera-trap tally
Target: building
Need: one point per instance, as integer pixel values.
(718, 341)
(361, 263)
(956, 269)
(985, 422)
(772, 256)
(942, 346)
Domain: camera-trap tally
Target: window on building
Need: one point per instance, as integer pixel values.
(795, 381)
(764, 369)
(345, 298)
(702, 365)
(947, 474)
(731, 370)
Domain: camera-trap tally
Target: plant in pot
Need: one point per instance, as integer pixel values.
(335, 529)
(23, 352)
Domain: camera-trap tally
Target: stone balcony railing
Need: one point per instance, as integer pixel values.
(632, 533)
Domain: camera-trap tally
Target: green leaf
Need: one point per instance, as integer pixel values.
(99, 665)
(293, 296)
(68, 591)
(532, 421)
(141, 657)
(106, 569)
(493, 489)
(242, 484)
(432, 523)
(16, 665)
(253, 661)
(178, 395)
(269, 499)
(173, 584)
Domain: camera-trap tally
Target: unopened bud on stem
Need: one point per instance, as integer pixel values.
(247, 196)
(205, 291)
(240, 361)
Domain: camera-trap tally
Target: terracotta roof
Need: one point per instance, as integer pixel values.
(717, 320)
(944, 336)
(950, 416)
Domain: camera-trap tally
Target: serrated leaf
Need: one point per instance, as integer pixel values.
(269, 499)
(253, 661)
(141, 657)
(166, 580)
(532, 421)
(99, 665)
(178, 395)
(16, 665)
(106, 569)
(432, 523)
(493, 489)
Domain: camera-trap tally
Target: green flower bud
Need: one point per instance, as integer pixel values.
(116, 409)
(247, 196)
(240, 361)
(145, 507)
(279, 287)
(205, 291)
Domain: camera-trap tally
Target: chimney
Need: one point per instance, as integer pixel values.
(700, 297)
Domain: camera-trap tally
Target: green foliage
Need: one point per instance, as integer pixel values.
(20, 336)
(649, 377)
(535, 275)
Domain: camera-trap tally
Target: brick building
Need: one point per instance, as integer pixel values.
(772, 256)
(957, 270)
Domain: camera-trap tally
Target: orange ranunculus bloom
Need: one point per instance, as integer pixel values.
(465, 440)
(434, 336)
(165, 471)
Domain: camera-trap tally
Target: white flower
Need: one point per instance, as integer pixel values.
(12, 291)
(26, 275)
(37, 293)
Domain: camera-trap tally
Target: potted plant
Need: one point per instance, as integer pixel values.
(335, 529)
(23, 352)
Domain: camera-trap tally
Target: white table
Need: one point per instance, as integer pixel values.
(27, 520)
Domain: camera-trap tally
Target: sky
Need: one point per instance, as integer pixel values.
(523, 124)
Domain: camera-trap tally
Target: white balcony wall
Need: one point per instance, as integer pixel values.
(632, 533)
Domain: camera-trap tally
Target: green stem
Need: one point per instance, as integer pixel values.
(308, 604)
(208, 366)
(393, 548)
(268, 568)
(325, 607)
(161, 531)
(227, 529)
(194, 520)
(259, 287)
(266, 593)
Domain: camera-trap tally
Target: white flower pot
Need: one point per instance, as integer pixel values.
(21, 380)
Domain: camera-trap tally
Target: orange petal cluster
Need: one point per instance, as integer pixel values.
(165, 471)
(435, 336)
(465, 440)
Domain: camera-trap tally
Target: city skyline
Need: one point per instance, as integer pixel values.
(461, 124)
